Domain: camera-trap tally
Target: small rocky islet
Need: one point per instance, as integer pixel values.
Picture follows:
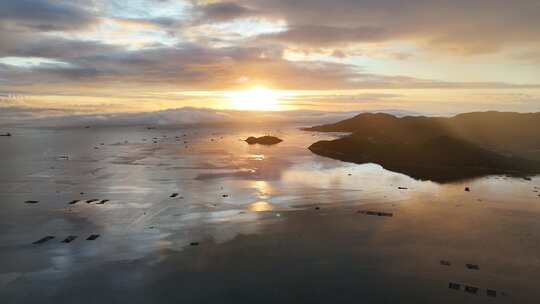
(263, 140)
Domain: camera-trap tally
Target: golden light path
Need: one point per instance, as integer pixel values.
(257, 98)
(260, 206)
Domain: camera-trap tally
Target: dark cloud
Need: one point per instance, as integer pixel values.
(459, 26)
(317, 36)
(185, 66)
(224, 11)
(44, 15)
(31, 45)
(195, 67)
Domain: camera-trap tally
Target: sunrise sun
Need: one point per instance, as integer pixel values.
(257, 98)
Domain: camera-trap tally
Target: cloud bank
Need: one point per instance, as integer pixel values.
(114, 48)
(179, 117)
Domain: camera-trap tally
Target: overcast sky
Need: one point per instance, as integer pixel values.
(91, 56)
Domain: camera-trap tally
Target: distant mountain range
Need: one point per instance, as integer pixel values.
(439, 148)
(186, 116)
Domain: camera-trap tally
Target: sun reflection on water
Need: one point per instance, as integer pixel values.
(263, 189)
(260, 206)
(257, 157)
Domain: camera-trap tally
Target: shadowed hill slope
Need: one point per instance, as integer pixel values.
(439, 148)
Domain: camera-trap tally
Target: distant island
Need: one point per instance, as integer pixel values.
(441, 149)
(263, 140)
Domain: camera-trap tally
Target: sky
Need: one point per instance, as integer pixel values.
(69, 57)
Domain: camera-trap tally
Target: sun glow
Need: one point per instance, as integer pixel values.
(258, 99)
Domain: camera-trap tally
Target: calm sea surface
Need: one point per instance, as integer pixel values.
(226, 190)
